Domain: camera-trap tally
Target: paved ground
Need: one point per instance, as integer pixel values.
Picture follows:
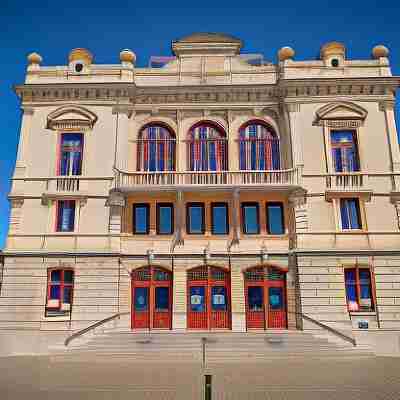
(29, 377)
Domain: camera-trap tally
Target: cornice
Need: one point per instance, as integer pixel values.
(302, 90)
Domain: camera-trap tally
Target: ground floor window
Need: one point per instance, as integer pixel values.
(359, 291)
(59, 291)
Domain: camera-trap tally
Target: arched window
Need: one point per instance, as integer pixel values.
(156, 149)
(258, 147)
(207, 148)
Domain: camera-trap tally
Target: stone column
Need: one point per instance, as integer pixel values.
(297, 143)
(237, 299)
(116, 202)
(123, 113)
(388, 108)
(233, 145)
(179, 298)
(297, 200)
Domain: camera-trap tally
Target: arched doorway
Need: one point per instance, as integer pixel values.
(151, 298)
(265, 295)
(209, 298)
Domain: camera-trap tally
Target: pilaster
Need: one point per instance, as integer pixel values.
(15, 216)
(237, 298)
(293, 110)
(179, 296)
(123, 113)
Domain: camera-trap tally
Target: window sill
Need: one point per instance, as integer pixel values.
(361, 313)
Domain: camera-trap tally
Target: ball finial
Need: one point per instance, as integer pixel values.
(128, 56)
(285, 53)
(34, 58)
(380, 51)
(80, 54)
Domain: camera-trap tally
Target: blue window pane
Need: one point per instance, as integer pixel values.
(344, 151)
(250, 214)
(141, 299)
(197, 298)
(141, 219)
(275, 219)
(196, 219)
(255, 298)
(55, 275)
(365, 284)
(162, 301)
(67, 295)
(275, 295)
(350, 279)
(165, 222)
(66, 216)
(220, 219)
(218, 298)
(55, 292)
(354, 214)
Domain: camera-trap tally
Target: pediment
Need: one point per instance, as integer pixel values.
(341, 111)
(71, 117)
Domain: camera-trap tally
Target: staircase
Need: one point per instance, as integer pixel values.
(217, 347)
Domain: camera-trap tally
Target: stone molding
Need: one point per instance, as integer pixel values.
(387, 105)
(75, 117)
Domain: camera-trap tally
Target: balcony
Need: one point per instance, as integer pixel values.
(348, 183)
(187, 180)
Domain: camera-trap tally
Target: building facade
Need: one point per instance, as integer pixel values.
(210, 191)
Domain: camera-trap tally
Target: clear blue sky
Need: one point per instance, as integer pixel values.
(53, 29)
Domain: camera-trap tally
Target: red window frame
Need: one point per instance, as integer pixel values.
(62, 284)
(358, 288)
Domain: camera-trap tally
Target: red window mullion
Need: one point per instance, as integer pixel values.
(358, 289)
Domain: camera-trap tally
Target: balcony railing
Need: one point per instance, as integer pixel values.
(350, 181)
(283, 178)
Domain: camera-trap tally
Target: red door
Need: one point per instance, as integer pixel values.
(265, 295)
(208, 298)
(151, 298)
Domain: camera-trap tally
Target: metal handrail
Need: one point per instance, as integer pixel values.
(91, 327)
(327, 327)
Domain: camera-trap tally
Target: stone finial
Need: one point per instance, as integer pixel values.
(127, 56)
(34, 59)
(285, 53)
(80, 54)
(333, 49)
(380, 51)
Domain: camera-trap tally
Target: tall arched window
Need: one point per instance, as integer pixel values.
(207, 148)
(156, 149)
(258, 147)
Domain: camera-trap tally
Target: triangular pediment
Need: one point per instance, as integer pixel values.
(341, 110)
(71, 117)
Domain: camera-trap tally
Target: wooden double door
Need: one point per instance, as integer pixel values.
(151, 298)
(265, 295)
(208, 298)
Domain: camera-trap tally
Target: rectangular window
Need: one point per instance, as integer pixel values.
(162, 299)
(165, 218)
(141, 299)
(65, 216)
(71, 150)
(195, 218)
(275, 219)
(250, 218)
(350, 213)
(219, 219)
(141, 219)
(344, 151)
(359, 289)
(59, 292)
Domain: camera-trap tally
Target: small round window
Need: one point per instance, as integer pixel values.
(335, 62)
(78, 67)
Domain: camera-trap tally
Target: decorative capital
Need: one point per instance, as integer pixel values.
(115, 199)
(298, 198)
(293, 107)
(16, 202)
(386, 105)
(123, 109)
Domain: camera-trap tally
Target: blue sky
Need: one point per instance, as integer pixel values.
(52, 29)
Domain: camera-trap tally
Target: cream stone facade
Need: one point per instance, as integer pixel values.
(207, 81)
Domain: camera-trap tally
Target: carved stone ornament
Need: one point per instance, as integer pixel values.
(115, 199)
(340, 114)
(298, 198)
(386, 105)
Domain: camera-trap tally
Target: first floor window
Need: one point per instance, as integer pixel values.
(344, 151)
(350, 214)
(250, 218)
(59, 291)
(141, 219)
(219, 218)
(71, 150)
(65, 216)
(275, 219)
(195, 218)
(359, 289)
(165, 218)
